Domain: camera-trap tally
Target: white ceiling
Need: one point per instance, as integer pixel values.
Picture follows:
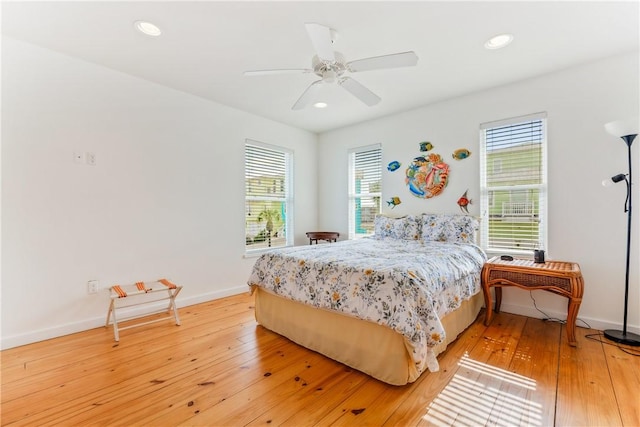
(206, 46)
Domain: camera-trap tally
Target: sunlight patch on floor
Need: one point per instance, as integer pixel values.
(481, 394)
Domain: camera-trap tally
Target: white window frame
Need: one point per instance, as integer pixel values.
(288, 199)
(354, 195)
(488, 203)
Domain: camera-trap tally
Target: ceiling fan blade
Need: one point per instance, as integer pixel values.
(308, 96)
(359, 91)
(321, 39)
(281, 71)
(404, 59)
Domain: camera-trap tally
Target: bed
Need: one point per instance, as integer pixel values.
(385, 305)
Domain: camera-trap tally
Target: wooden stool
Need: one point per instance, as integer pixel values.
(138, 295)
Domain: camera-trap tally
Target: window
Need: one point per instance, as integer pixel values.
(268, 196)
(513, 184)
(365, 189)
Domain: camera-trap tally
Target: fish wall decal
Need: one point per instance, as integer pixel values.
(393, 166)
(394, 201)
(464, 202)
(461, 154)
(426, 146)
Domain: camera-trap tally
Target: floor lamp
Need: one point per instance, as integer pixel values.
(627, 130)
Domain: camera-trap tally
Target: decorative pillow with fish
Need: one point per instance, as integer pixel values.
(405, 228)
(449, 228)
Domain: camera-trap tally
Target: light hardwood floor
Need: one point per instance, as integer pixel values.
(220, 368)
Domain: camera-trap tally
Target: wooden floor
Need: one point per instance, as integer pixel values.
(220, 368)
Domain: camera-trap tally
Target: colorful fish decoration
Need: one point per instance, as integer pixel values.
(426, 146)
(464, 202)
(461, 154)
(420, 160)
(393, 202)
(426, 177)
(393, 166)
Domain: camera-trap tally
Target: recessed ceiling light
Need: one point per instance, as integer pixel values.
(320, 105)
(147, 28)
(499, 41)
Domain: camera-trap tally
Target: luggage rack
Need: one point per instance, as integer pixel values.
(137, 295)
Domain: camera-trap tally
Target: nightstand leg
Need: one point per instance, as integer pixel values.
(487, 304)
(572, 314)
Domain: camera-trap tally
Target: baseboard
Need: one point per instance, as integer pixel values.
(96, 322)
(582, 321)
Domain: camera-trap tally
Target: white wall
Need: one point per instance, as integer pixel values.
(165, 199)
(586, 221)
(166, 195)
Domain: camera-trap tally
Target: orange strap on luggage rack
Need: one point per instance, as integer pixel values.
(167, 283)
(118, 290)
(141, 287)
(140, 294)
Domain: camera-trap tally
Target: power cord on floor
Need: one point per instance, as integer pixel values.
(548, 318)
(599, 338)
(594, 337)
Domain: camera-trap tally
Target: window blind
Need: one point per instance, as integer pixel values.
(513, 185)
(268, 200)
(365, 193)
(265, 172)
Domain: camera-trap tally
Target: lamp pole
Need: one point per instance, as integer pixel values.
(623, 336)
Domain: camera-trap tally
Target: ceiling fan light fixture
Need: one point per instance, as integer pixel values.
(499, 41)
(321, 105)
(147, 28)
(329, 76)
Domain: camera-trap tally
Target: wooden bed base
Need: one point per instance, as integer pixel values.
(368, 347)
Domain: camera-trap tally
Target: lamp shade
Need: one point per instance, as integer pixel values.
(622, 128)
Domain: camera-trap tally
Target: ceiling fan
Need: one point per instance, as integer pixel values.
(331, 67)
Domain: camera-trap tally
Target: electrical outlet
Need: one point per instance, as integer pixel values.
(91, 158)
(93, 286)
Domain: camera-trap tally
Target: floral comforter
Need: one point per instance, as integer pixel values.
(405, 285)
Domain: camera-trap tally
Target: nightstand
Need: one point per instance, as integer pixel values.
(560, 277)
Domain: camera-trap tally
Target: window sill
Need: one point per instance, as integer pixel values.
(257, 252)
(516, 254)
